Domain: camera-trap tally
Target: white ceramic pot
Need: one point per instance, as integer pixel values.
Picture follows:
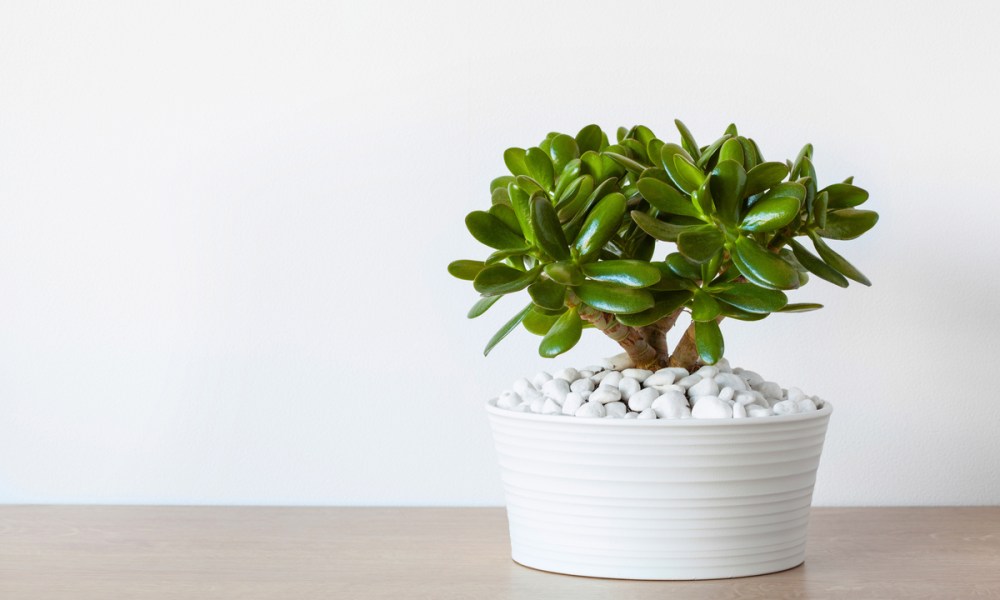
(659, 499)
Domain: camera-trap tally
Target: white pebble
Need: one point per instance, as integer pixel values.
(710, 407)
(705, 387)
(639, 375)
(587, 374)
(687, 382)
(551, 407)
(659, 379)
(723, 366)
(605, 394)
(525, 407)
(611, 378)
(756, 411)
(795, 394)
(621, 361)
(806, 405)
(585, 394)
(785, 407)
(739, 411)
(672, 405)
(616, 409)
(592, 410)
(573, 402)
(770, 389)
(523, 385)
(569, 374)
(749, 377)
(540, 378)
(600, 376)
(680, 372)
(643, 399)
(628, 386)
(632, 415)
(818, 401)
(537, 404)
(509, 400)
(751, 397)
(646, 414)
(556, 389)
(582, 385)
(730, 380)
(593, 369)
(606, 365)
(708, 372)
(726, 394)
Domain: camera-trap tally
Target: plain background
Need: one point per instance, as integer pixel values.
(224, 230)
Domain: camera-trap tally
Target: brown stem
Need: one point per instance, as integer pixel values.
(631, 339)
(686, 353)
(656, 335)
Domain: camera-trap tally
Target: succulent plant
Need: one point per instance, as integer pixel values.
(577, 221)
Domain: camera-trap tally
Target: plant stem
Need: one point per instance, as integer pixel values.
(631, 339)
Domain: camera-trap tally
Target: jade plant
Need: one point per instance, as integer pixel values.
(577, 221)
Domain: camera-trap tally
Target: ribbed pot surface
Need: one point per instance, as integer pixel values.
(659, 499)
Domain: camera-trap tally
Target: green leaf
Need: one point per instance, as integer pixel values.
(837, 261)
(547, 294)
(669, 281)
(667, 154)
(501, 182)
(762, 267)
(562, 150)
(682, 267)
(630, 273)
(750, 156)
(730, 311)
(506, 214)
(500, 197)
(666, 303)
(808, 174)
(539, 323)
(801, 307)
(708, 340)
(492, 232)
(501, 255)
(548, 232)
(703, 200)
(848, 223)
(806, 152)
(613, 298)
(514, 159)
(665, 198)
(540, 167)
(753, 298)
(626, 162)
(687, 140)
(727, 182)
(666, 232)
(817, 266)
(520, 201)
(600, 225)
(589, 139)
(704, 307)
(686, 175)
(506, 329)
(709, 152)
(465, 269)
(563, 335)
(732, 150)
(819, 209)
(500, 279)
(482, 305)
(764, 176)
(770, 214)
(845, 195)
(565, 273)
(700, 244)
(569, 173)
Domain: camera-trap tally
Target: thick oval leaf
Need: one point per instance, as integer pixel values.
(630, 273)
(562, 150)
(687, 140)
(547, 294)
(801, 307)
(819, 209)
(528, 184)
(730, 311)
(753, 298)
(566, 175)
(514, 159)
(704, 307)
(520, 201)
(506, 214)
(666, 303)
(732, 150)
(848, 223)
(708, 340)
(764, 176)
(563, 335)
(703, 201)
(682, 267)
(667, 154)
(539, 323)
(770, 214)
(569, 193)
(482, 305)
(750, 157)
(806, 152)
(701, 243)
(815, 265)
(686, 175)
(727, 182)
(506, 329)
(500, 197)
(628, 163)
(762, 267)
(500, 279)
(548, 232)
(589, 139)
(613, 298)
(501, 182)
(491, 231)
(711, 151)
(837, 261)
(666, 232)
(788, 189)
(565, 273)
(540, 167)
(670, 281)
(666, 198)
(600, 225)
(466, 269)
(845, 195)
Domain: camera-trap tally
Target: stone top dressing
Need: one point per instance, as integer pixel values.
(614, 389)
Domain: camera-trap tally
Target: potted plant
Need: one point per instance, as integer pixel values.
(696, 470)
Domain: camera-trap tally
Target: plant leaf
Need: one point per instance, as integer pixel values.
(548, 232)
(492, 232)
(764, 176)
(728, 182)
(482, 305)
(682, 267)
(753, 298)
(540, 167)
(465, 269)
(701, 243)
(816, 266)
(732, 150)
(666, 303)
(770, 214)
(630, 273)
(600, 225)
(801, 307)
(845, 195)
(506, 329)
(762, 267)
(837, 261)
(665, 198)
(565, 273)
(520, 201)
(687, 140)
(704, 307)
(666, 232)
(562, 150)
(514, 159)
(589, 139)
(848, 223)
(708, 340)
(563, 335)
(547, 294)
(500, 279)
(614, 298)
(686, 175)
(626, 162)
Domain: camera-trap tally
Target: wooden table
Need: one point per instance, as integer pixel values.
(86, 553)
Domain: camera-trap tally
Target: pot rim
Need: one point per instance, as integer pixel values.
(492, 408)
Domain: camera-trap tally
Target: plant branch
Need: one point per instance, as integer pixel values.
(631, 339)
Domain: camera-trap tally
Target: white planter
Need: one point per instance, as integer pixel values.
(659, 499)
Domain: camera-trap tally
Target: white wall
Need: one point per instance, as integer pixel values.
(224, 230)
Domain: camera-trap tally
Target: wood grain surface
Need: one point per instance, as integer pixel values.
(99, 552)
